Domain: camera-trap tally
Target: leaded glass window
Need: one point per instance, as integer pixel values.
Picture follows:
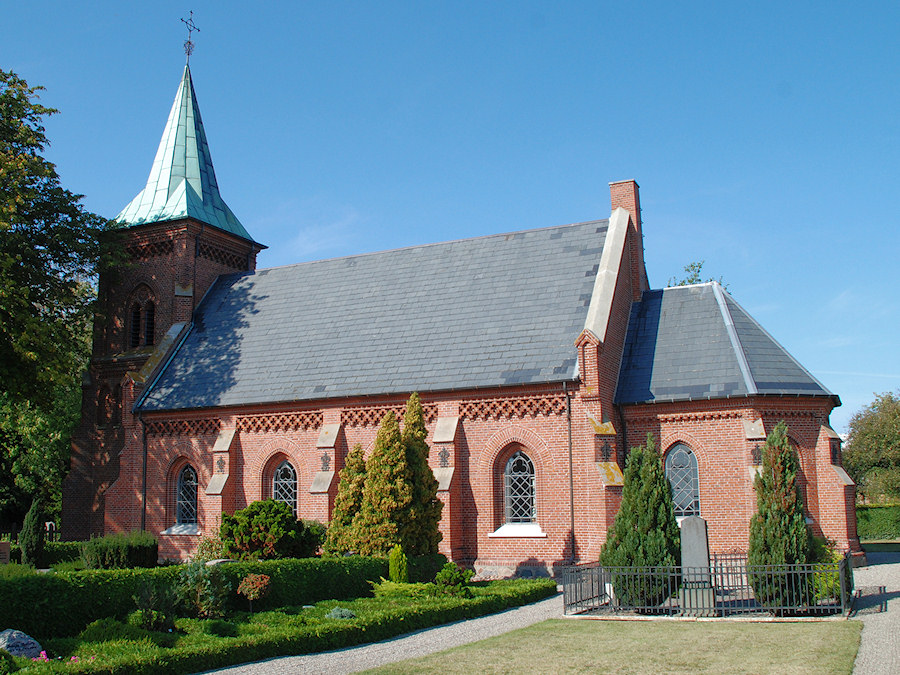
(284, 485)
(681, 470)
(149, 322)
(186, 496)
(135, 338)
(518, 487)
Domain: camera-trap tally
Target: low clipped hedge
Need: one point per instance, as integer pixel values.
(120, 551)
(878, 521)
(54, 552)
(61, 605)
(324, 636)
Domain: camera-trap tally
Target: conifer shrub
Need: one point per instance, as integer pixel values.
(398, 565)
(204, 590)
(778, 531)
(341, 534)
(387, 493)
(419, 525)
(31, 538)
(453, 580)
(645, 532)
(264, 530)
(120, 551)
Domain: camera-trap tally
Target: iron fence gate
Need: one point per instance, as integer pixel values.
(728, 587)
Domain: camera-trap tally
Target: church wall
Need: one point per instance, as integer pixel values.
(714, 432)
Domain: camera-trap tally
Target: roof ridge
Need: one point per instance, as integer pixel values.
(735, 339)
(433, 244)
(779, 345)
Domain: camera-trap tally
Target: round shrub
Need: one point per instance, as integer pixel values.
(262, 531)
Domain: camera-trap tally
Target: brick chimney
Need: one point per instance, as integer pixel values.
(625, 194)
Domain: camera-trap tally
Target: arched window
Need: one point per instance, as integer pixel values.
(135, 332)
(149, 322)
(518, 489)
(681, 470)
(284, 485)
(186, 496)
(141, 328)
(116, 416)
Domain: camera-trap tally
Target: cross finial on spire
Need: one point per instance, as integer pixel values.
(191, 26)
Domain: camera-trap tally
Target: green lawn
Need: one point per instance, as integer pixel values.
(653, 647)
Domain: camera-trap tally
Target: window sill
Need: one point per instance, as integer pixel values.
(521, 530)
(184, 528)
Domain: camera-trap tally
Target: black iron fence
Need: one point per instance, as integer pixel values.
(728, 587)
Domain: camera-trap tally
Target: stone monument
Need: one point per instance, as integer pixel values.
(698, 597)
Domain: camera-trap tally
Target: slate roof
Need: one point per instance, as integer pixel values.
(182, 181)
(485, 312)
(696, 342)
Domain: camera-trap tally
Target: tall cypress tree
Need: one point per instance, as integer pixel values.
(645, 532)
(419, 531)
(340, 537)
(778, 532)
(387, 493)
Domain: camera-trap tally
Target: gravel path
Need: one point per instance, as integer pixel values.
(412, 645)
(879, 609)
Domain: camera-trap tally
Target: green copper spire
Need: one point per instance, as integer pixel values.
(182, 182)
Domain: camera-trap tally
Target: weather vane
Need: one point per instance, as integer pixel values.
(191, 26)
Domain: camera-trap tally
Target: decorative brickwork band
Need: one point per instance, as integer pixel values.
(183, 427)
(151, 249)
(221, 255)
(371, 416)
(512, 407)
(308, 419)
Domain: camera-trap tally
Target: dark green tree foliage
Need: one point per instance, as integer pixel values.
(340, 537)
(31, 538)
(419, 528)
(872, 453)
(645, 532)
(778, 532)
(50, 250)
(262, 531)
(387, 493)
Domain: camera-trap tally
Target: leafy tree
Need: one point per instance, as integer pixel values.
(778, 532)
(340, 537)
(262, 531)
(50, 251)
(419, 530)
(692, 275)
(872, 454)
(31, 538)
(387, 493)
(645, 532)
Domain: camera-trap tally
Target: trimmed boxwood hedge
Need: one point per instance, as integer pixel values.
(54, 552)
(878, 521)
(324, 636)
(60, 605)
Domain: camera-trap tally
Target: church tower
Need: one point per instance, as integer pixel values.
(179, 235)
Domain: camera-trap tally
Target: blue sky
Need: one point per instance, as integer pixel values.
(765, 136)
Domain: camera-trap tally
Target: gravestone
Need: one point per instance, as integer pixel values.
(698, 597)
(4, 552)
(18, 643)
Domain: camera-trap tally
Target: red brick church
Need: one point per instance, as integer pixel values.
(540, 357)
